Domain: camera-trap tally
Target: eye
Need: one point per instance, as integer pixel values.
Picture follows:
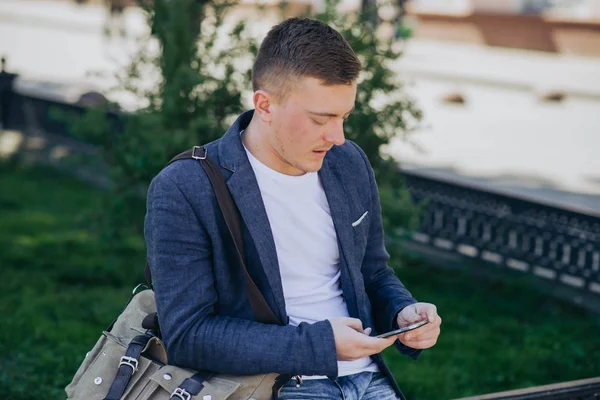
(317, 122)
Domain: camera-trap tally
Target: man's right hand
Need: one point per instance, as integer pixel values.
(352, 342)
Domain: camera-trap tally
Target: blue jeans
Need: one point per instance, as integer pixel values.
(361, 386)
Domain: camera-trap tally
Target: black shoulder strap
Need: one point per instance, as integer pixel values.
(260, 307)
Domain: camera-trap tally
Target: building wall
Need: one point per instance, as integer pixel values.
(510, 23)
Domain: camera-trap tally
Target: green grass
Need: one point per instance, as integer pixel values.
(59, 290)
(497, 335)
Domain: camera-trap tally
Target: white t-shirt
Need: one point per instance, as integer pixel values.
(307, 250)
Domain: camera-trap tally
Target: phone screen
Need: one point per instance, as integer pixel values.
(403, 329)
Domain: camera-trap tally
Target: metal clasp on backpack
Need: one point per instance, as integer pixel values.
(141, 285)
(130, 362)
(181, 394)
(195, 157)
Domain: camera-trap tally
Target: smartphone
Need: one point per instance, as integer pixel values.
(403, 329)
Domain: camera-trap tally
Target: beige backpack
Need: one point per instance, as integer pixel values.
(129, 361)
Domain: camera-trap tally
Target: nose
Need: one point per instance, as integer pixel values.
(335, 135)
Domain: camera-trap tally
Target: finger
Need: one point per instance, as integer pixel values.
(415, 336)
(421, 344)
(368, 331)
(411, 314)
(430, 312)
(429, 327)
(427, 335)
(353, 323)
(386, 342)
(377, 345)
(425, 329)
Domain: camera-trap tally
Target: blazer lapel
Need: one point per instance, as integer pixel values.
(339, 205)
(246, 194)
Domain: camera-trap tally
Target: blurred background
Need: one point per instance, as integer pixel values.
(481, 119)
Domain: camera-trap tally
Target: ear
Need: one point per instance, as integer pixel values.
(263, 105)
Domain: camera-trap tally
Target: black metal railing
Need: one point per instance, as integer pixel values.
(6, 92)
(40, 108)
(551, 242)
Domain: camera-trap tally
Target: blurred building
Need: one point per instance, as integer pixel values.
(509, 90)
(567, 26)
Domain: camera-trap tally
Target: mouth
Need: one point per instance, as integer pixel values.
(321, 152)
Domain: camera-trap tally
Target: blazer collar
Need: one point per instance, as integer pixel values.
(232, 154)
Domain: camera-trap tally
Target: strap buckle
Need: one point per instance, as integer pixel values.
(202, 157)
(181, 394)
(141, 285)
(130, 362)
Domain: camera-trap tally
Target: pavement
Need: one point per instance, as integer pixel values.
(503, 137)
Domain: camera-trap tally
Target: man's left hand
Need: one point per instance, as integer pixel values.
(425, 336)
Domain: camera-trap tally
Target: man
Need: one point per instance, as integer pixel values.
(312, 232)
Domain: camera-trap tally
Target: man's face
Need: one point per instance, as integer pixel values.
(308, 123)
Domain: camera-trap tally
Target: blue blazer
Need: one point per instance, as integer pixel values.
(203, 310)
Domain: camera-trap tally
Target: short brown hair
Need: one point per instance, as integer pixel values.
(302, 47)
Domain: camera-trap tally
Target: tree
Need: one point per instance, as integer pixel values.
(200, 89)
(197, 90)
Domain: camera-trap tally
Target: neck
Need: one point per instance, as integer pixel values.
(252, 139)
(255, 139)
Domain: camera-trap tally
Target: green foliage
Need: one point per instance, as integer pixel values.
(198, 87)
(57, 292)
(57, 297)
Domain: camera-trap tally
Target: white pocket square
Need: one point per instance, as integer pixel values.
(358, 221)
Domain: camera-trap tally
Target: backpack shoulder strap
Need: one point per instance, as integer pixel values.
(233, 220)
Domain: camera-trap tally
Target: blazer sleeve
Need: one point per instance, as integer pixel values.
(387, 294)
(180, 259)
